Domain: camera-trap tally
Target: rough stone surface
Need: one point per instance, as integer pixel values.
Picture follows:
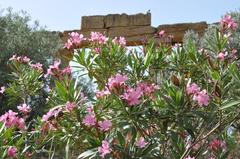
(131, 31)
(92, 22)
(178, 30)
(116, 20)
(123, 20)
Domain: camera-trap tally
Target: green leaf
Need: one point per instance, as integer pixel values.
(67, 149)
(87, 154)
(121, 138)
(230, 104)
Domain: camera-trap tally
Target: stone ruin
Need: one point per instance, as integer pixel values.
(134, 28)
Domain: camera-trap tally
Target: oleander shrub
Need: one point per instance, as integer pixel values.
(163, 101)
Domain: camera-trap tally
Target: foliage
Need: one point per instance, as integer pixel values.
(162, 102)
(19, 36)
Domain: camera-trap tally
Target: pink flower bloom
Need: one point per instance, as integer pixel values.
(21, 59)
(68, 44)
(37, 66)
(24, 108)
(25, 59)
(2, 90)
(216, 145)
(89, 120)
(12, 151)
(97, 50)
(90, 110)
(161, 33)
(70, 106)
(50, 113)
(121, 41)
(104, 149)
(146, 88)
(98, 38)
(189, 157)
(202, 98)
(221, 56)
(117, 80)
(74, 40)
(228, 23)
(54, 69)
(11, 119)
(141, 143)
(21, 124)
(105, 125)
(192, 88)
(102, 93)
(66, 71)
(13, 58)
(132, 96)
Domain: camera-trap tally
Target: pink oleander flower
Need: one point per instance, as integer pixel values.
(104, 149)
(116, 81)
(50, 113)
(216, 145)
(105, 125)
(192, 88)
(21, 59)
(132, 96)
(202, 98)
(25, 59)
(98, 38)
(11, 119)
(122, 41)
(13, 58)
(24, 108)
(37, 66)
(12, 151)
(161, 33)
(102, 93)
(2, 89)
(97, 50)
(66, 71)
(90, 110)
(74, 40)
(68, 44)
(228, 23)
(69, 106)
(141, 143)
(234, 51)
(54, 69)
(189, 157)
(146, 88)
(89, 120)
(221, 56)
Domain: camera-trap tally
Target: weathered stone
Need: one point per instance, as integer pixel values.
(116, 20)
(92, 22)
(178, 30)
(140, 19)
(201, 26)
(138, 39)
(131, 31)
(123, 20)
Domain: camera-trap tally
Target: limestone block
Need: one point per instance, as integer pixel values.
(131, 31)
(92, 22)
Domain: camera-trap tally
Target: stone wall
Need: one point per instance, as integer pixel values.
(135, 28)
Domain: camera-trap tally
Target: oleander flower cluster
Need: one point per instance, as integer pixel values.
(160, 101)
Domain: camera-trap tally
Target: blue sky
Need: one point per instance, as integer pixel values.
(62, 15)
